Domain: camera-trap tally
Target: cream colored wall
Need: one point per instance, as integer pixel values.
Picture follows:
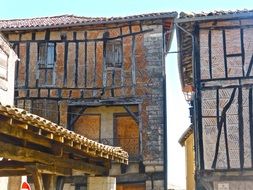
(7, 89)
(189, 151)
(106, 113)
(7, 86)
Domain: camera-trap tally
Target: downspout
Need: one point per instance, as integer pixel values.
(195, 128)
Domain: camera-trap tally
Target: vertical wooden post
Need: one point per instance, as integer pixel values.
(49, 181)
(37, 177)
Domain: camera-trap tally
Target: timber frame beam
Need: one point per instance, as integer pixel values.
(22, 154)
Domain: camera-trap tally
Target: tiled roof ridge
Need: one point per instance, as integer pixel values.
(115, 153)
(46, 17)
(213, 13)
(72, 20)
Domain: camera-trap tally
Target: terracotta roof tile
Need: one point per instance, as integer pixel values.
(213, 13)
(103, 151)
(66, 20)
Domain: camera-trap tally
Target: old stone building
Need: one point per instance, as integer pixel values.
(216, 59)
(103, 78)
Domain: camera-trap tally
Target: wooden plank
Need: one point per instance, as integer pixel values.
(17, 153)
(225, 53)
(241, 127)
(210, 53)
(17, 166)
(133, 64)
(8, 173)
(23, 134)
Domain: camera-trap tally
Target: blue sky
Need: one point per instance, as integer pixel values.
(178, 119)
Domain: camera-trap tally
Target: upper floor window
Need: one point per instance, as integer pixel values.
(3, 64)
(46, 55)
(114, 53)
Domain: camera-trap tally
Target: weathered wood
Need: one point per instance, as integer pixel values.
(74, 118)
(133, 64)
(210, 53)
(8, 173)
(66, 47)
(27, 155)
(21, 167)
(221, 122)
(241, 127)
(135, 117)
(23, 134)
(225, 53)
(37, 178)
(27, 64)
(49, 181)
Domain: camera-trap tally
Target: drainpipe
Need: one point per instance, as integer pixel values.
(195, 127)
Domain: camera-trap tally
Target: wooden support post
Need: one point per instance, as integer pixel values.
(49, 181)
(37, 178)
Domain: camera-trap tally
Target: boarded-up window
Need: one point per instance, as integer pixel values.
(114, 53)
(3, 64)
(46, 55)
(46, 108)
(127, 134)
(88, 126)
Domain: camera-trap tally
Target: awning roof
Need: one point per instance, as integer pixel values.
(28, 138)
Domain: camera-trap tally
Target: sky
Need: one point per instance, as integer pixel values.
(177, 108)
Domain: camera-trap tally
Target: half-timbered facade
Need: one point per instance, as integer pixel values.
(103, 78)
(216, 57)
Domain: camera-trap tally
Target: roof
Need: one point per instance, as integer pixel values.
(185, 135)
(185, 29)
(72, 20)
(186, 17)
(62, 135)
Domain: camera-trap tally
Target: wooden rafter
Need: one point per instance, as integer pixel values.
(22, 154)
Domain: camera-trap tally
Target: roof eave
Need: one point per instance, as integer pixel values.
(215, 17)
(171, 15)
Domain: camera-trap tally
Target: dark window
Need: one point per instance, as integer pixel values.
(46, 55)
(3, 65)
(114, 53)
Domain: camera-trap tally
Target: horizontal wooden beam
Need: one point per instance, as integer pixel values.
(9, 166)
(23, 134)
(22, 154)
(8, 173)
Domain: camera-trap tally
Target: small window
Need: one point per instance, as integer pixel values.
(46, 55)
(3, 64)
(114, 53)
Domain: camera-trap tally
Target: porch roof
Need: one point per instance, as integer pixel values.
(26, 137)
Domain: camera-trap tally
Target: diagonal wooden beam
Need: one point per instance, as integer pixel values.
(134, 116)
(75, 118)
(22, 154)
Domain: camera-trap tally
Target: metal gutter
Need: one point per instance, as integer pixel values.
(119, 20)
(215, 17)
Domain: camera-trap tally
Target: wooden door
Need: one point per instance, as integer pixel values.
(127, 134)
(88, 126)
